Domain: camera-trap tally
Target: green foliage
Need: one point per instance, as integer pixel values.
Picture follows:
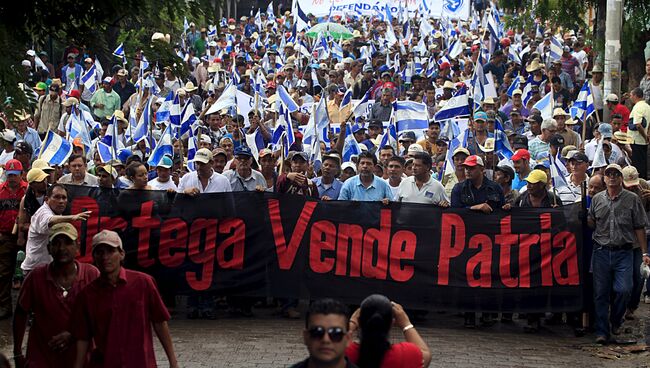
(94, 26)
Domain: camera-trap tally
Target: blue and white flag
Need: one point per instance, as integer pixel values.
(269, 11)
(546, 105)
(186, 25)
(559, 172)
(350, 146)
(55, 150)
(556, 49)
(455, 49)
(450, 130)
(389, 138)
(286, 99)
(456, 106)
(192, 147)
(227, 99)
(513, 86)
(410, 115)
(78, 129)
(175, 112)
(479, 81)
(163, 111)
(119, 52)
(142, 129)
(584, 104)
(360, 109)
(346, 102)
(337, 51)
(188, 119)
(163, 147)
(89, 79)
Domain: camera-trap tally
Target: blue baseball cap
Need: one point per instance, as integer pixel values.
(480, 115)
(166, 162)
(243, 151)
(357, 127)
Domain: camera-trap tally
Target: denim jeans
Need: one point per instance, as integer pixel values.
(612, 274)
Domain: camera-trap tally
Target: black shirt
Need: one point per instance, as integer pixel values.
(124, 92)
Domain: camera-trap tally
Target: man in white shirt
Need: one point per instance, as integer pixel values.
(422, 187)
(8, 139)
(49, 214)
(204, 179)
(164, 180)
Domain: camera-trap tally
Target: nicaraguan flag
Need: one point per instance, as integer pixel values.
(584, 104)
(227, 99)
(389, 138)
(556, 49)
(350, 146)
(361, 108)
(559, 172)
(546, 105)
(175, 112)
(55, 150)
(144, 124)
(119, 52)
(163, 147)
(192, 147)
(410, 115)
(286, 99)
(457, 106)
(89, 79)
(337, 51)
(188, 118)
(78, 128)
(513, 86)
(163, 111)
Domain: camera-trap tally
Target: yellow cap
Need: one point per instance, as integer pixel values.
(64, 228)
(36, 175)
(537, 176)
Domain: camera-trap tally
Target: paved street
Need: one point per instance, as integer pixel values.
(268, 341)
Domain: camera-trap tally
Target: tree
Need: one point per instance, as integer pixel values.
(570, 14)
(94, 26)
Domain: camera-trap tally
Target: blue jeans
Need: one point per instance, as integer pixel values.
(612, 273)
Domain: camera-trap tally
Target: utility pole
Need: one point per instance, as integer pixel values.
(612, 65)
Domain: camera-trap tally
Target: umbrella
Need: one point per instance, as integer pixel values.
(335, 30)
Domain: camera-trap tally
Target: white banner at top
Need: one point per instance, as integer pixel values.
(453, 9)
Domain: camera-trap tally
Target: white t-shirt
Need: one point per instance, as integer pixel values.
(158, 185)
(6, 156)
(392, 189)
(216, 184)
(71, 82)
(581, 72)
(37, 239)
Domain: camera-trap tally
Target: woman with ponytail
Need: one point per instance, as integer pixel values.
(373, 320)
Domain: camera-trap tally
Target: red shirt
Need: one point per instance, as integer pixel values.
(402, 355)
(52, 311)
(9, 205)
(625, 114)
(118, 320)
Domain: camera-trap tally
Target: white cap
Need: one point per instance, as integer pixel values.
(8, 135)
(107, 80)
(26, 63)
(349, 165)
(415, 148)
(31, 53)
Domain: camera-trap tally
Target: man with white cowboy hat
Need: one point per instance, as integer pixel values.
(192, 97)
(596, 86)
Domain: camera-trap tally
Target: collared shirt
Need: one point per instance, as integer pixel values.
(616, 218)
(89, 180)
(645, 86)
(571, 193)
(118, 320)
(30, 136)
(537, 146)
(37, 239)
(331, 190)
(466, 195)
(432, 192)
(111, 101)
(216, 184)
(9, 204)
(240, 184)
(354, 190)
(44, 298)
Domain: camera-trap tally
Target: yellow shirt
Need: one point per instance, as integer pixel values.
(640, 111)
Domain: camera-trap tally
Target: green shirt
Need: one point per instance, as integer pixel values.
(199, 46)
(111, 102)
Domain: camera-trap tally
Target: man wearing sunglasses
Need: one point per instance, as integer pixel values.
(618, 219)
(326, 335)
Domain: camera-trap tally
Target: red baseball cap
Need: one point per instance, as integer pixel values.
(444, 65)
(473, 160)
(75, 93)
(13, 167)
(505, 42)
(521, 154)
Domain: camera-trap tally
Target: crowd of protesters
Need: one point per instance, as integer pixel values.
(604, 152)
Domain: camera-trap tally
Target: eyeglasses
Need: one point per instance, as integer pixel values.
(335, 333)
(613, 174)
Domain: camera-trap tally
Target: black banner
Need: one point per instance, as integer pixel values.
(264, 244)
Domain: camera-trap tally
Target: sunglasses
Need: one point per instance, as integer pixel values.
(335, 333)
(613, 174)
